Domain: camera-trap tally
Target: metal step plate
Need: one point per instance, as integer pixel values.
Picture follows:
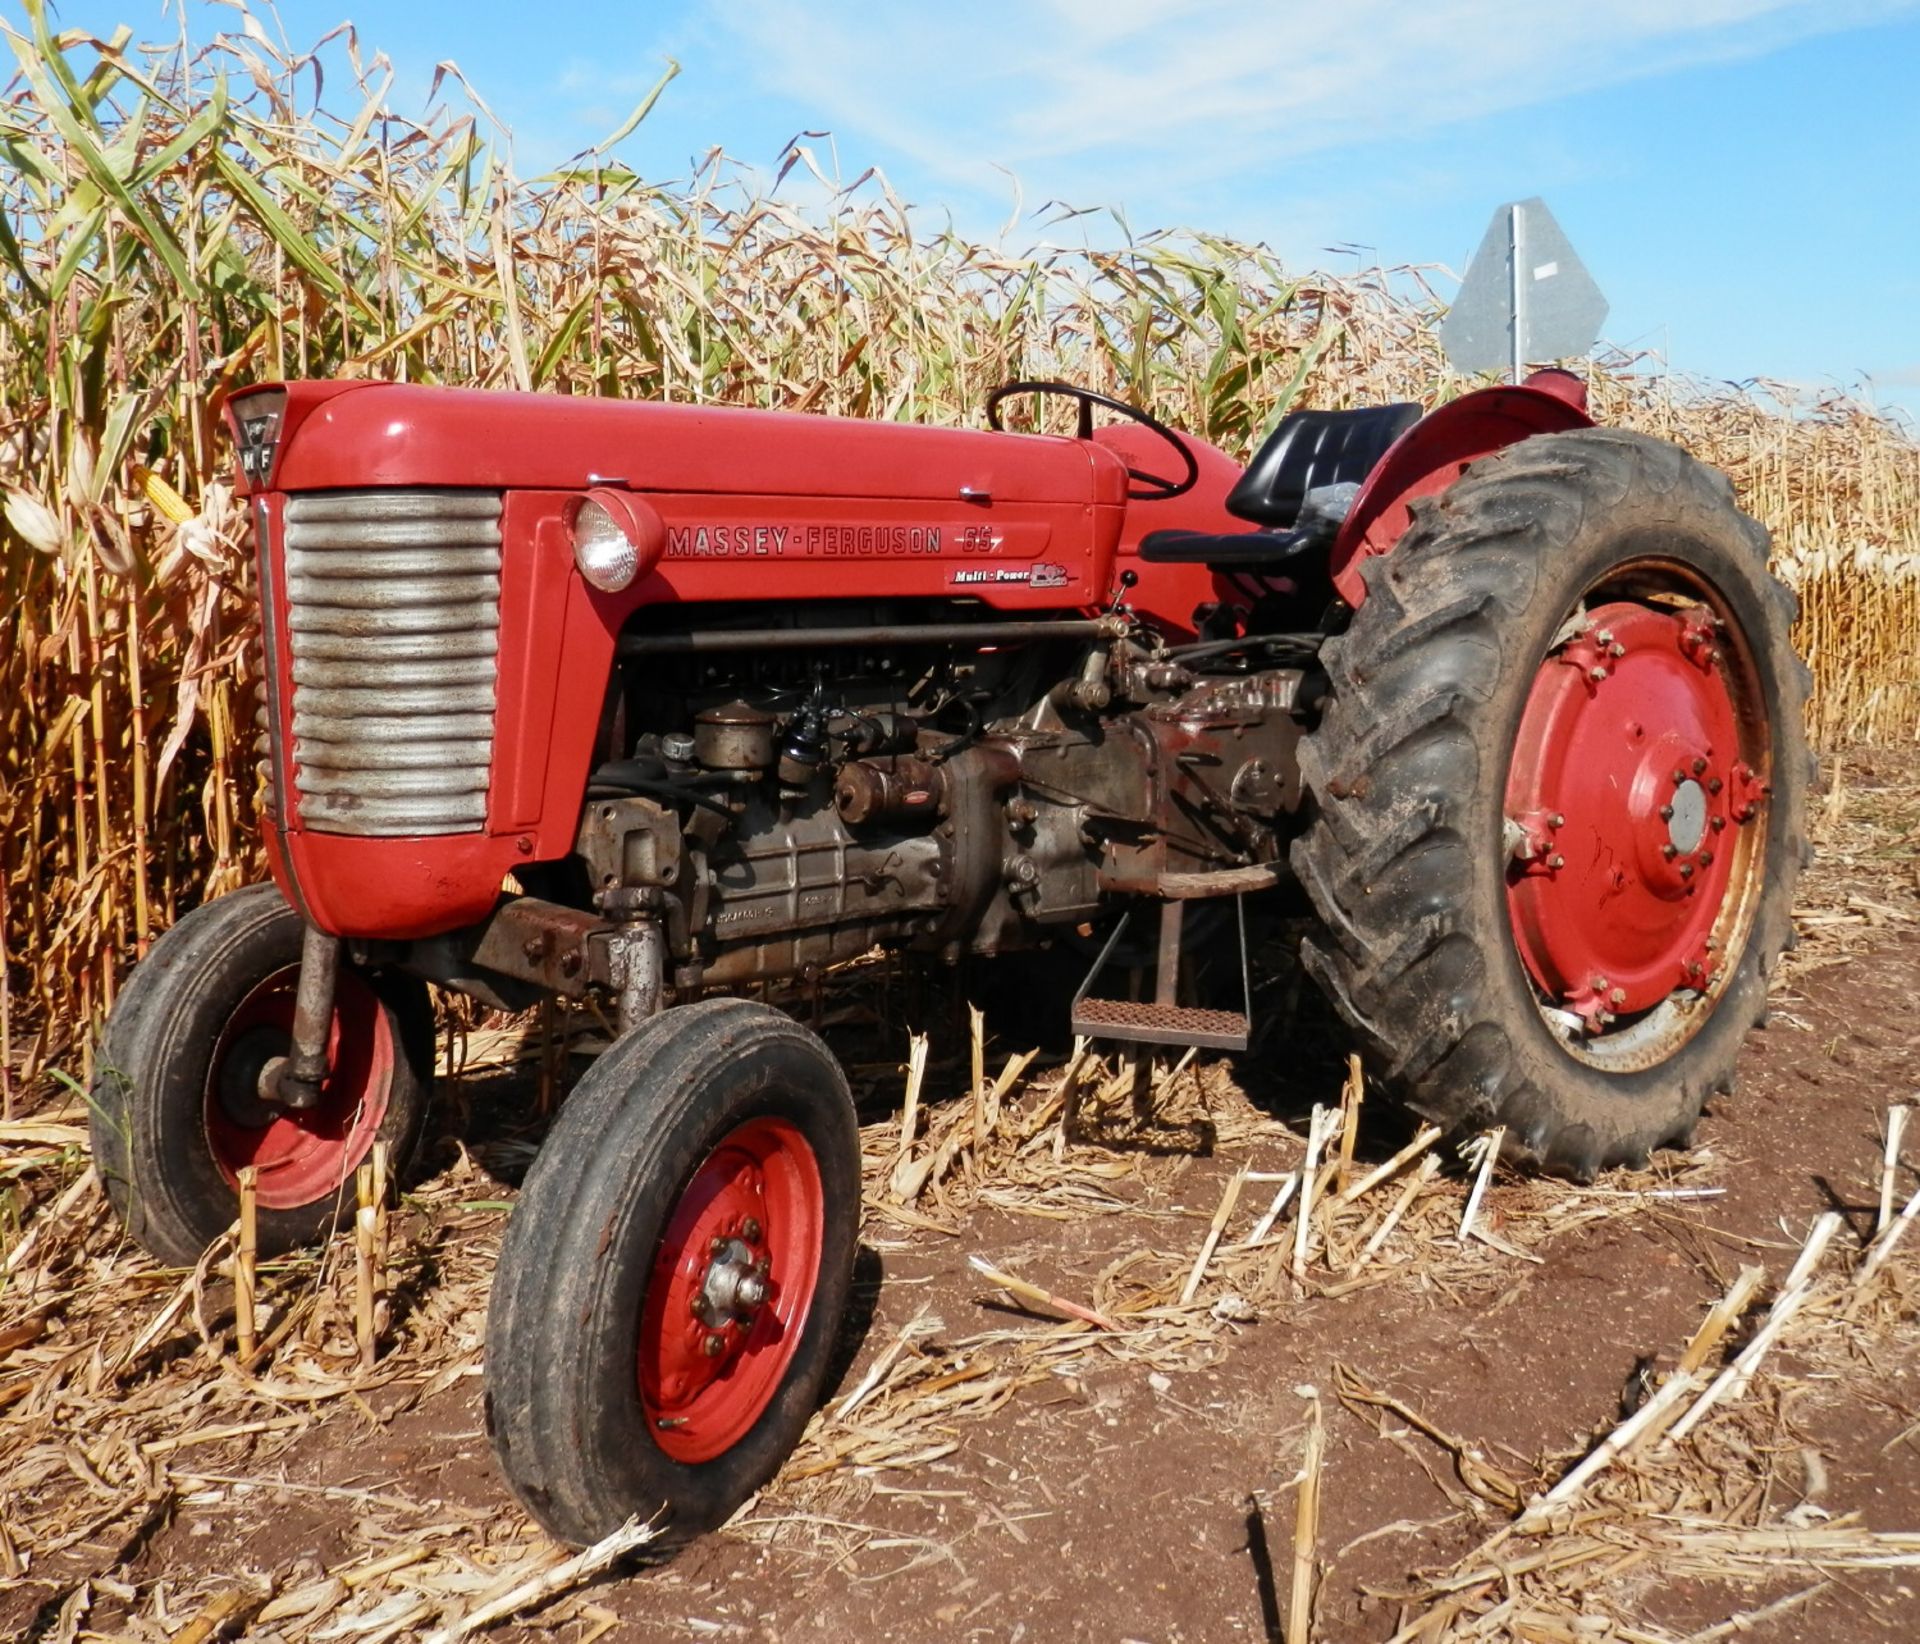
(1160, 1024)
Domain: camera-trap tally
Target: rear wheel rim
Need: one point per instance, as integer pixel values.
(731, 1289)
(1635, 816)
(301, 1155)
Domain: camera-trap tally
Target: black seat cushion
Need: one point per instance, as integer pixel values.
(1316, 526)
(1309, 451)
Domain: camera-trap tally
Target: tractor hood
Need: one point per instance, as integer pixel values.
(314, 436)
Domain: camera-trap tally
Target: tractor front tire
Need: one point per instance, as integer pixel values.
(1558, 799)
(174, 1109)
(672, 1284)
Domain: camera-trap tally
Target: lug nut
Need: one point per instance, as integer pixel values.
(1669, 851)
(1718, 823)
(714, 1346)
(1556, 861)
(1713, 785)
(1618, 649)
(1666, 813)
(1604, 637)
(750, 1231)
(715, 1245)
(1679, 776)
(1618, 996)
(1706, 859)
(1594, 674)
(1556, 820)
(1686, 870)
(1699, 767)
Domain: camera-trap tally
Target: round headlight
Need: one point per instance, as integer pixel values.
(608, 558)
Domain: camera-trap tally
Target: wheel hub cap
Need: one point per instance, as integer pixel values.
(731, 1288)
(734, 1287)
(1688, 824)
(1625, 802)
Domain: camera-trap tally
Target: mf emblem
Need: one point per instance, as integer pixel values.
(258, 437)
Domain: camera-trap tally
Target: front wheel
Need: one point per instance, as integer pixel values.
(175, 1105)
(1559, 798)
(672, 1284)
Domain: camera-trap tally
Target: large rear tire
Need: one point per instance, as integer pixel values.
(672, 1285)
(174, 1107)
(1559, 798)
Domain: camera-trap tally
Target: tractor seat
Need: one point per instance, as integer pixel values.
(1299, 488)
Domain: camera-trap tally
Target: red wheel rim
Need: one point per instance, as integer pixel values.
(1635, 809)
(301, 1155)
(710, 1363)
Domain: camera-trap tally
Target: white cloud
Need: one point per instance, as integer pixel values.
(1101, 100)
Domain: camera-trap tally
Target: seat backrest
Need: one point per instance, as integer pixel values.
(1311, 449)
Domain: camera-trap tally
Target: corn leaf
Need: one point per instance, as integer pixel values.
(90, 155)
(279, 226)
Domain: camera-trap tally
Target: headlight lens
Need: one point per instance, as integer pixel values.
(607, 557)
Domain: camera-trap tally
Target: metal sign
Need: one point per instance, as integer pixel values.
(1527, 297)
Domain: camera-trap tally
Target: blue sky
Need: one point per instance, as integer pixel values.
(1741, 176)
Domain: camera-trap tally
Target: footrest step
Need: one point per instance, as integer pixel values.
(1189, 887)
(1160, 1024)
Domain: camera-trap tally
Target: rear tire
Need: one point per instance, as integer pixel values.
(716, 1135)
(1435, 945)
(170, 1118)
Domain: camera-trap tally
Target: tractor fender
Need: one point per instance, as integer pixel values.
(1436, 451)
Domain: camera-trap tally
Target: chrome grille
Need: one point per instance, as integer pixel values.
(393, 618)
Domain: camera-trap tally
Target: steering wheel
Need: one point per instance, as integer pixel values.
(1152, 486)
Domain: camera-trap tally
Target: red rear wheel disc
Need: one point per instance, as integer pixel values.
(1632, 813)
(749, 1224)
(302, 1155)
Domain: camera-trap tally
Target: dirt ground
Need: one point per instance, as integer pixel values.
(986, 1470)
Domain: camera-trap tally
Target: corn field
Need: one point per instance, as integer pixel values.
(179, 221)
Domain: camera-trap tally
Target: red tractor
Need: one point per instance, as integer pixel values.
(719, 696)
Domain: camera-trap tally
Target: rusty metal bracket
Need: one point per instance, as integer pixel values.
(294, 1080)
(525, 948)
